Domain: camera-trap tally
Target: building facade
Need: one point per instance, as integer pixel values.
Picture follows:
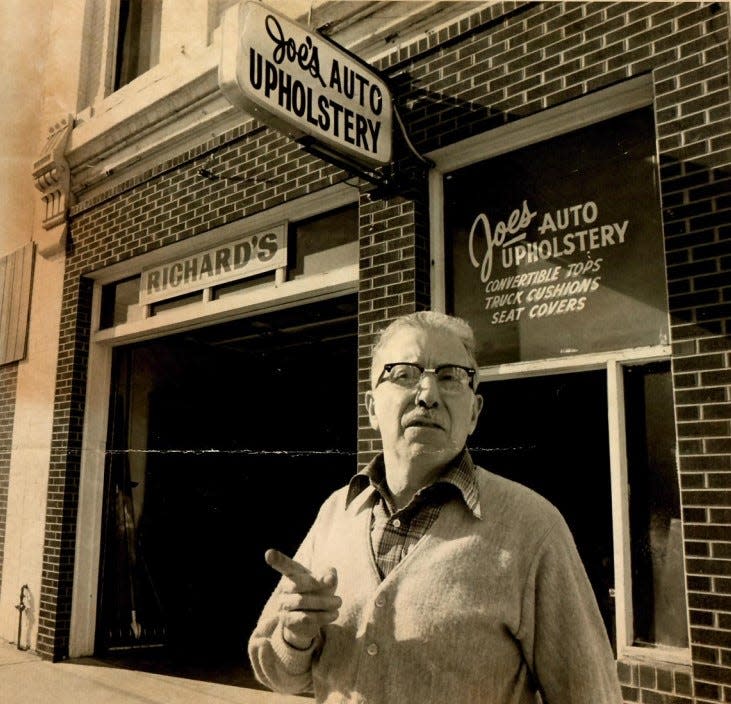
(558, 177)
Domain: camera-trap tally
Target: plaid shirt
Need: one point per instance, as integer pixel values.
(395, 532)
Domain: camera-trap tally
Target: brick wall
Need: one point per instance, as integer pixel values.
(8, 386)
(394, 280)
(694, 138)
(494, 67)
(515, 59)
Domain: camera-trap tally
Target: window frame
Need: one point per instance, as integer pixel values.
(105, 23)
(151, 53)
(614, 101)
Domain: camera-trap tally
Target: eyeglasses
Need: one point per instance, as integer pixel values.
(451, 378)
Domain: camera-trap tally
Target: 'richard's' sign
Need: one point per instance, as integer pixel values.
(302, 84)
(230, 261)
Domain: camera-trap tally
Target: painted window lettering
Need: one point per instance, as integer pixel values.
(565, 288)
(530, 278)
(565, 305)
(516, 225)
(606, 235)
(571, 216)
(590, 266)
(509, 296)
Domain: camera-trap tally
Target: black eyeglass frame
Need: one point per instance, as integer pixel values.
(471, 372)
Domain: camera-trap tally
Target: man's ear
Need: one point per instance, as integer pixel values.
(370, 404)
(476, 408)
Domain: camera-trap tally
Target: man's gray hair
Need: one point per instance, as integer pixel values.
(429, 320)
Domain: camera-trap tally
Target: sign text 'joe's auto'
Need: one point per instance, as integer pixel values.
(300, 83)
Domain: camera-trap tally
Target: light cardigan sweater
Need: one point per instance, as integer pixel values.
(484, 611)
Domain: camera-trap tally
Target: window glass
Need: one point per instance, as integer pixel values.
(551, 434)
(265, 280)
(120, 302)
(324, 243)
(658, 586)
(178, 302)
(138, 39)
(556, 248)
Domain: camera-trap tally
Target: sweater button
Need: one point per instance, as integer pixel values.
(372, 649)
(380, 601)
(396, 523)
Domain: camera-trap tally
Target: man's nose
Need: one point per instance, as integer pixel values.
(427, 391)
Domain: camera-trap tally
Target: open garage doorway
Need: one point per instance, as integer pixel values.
(223, 441)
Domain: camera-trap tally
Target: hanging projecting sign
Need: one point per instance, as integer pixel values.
(557, 248)
(302, 84)
(246, 256)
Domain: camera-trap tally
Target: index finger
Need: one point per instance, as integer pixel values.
(303, 579)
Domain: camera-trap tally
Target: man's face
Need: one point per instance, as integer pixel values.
(420, 421)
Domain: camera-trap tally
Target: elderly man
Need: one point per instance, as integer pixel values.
(428, 579)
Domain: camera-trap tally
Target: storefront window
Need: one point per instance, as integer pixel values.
(570, 410)
(658, 588)
(550, 434)
(556, 249)
(178, 302)
(554, 252)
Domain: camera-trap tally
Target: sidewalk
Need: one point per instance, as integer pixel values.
(26, 679)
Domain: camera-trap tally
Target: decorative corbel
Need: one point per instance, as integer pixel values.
(52, 178)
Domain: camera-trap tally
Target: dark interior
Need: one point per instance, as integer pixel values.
(551, 434)
(249, 426)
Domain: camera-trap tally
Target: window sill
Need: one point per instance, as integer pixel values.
(171, 107)
(677, 658)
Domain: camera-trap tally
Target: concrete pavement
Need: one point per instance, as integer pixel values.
(26, 679)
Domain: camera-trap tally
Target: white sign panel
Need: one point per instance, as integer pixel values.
(252, 254)
(300, 83)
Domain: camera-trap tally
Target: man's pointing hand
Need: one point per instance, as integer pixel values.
(306, 602)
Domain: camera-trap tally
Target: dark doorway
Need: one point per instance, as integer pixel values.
(551, 433)
(223, 441)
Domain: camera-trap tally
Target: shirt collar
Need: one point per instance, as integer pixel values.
(461, 473)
